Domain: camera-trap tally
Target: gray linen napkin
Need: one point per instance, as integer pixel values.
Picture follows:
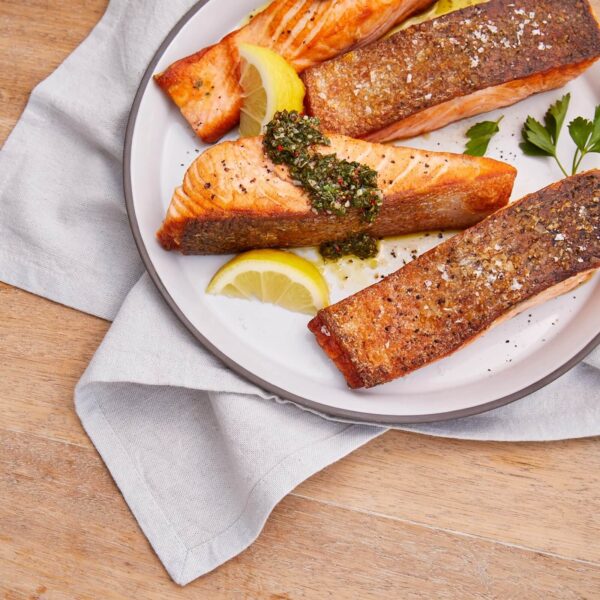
(200, 455)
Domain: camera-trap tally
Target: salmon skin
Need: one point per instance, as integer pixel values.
(459, 65)
(537, 248)
(205, 86)
(234, 198)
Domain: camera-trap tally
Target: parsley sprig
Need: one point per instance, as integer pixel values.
(586, 135)
(542, 139)
(480, 135)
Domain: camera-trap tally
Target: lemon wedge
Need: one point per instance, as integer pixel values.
(440, 8)
(272, 276)
(269, 84)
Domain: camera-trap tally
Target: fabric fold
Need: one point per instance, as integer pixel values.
(200, 454)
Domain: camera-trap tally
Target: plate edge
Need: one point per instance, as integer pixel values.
(303, 403)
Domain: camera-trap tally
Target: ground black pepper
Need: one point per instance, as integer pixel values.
(334, 185)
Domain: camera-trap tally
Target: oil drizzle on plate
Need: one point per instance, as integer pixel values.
(350, 274)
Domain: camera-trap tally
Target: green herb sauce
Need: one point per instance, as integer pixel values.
(334, 185)
(361, 245)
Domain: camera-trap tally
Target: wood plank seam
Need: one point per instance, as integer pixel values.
(456, 532)
(58, 557)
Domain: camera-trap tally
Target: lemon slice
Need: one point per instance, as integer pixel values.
(275, 277)
(439, 9)
(269, 84)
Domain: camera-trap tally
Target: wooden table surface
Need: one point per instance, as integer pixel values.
(407, 516)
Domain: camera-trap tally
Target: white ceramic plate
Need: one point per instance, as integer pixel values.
(273, 347)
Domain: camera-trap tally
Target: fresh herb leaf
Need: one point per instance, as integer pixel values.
(586, 135)
(555, 117)
(537, 135)
(581, 130)
(540, 140)
(530, 150)
(595, 140)
(480, 135)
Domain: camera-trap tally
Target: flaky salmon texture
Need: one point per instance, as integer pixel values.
(234, 198)
(205, 86)
(535, 249)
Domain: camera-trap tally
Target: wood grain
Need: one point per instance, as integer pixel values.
(35, 37)
(306, 550)
(407, 516)
(523, 494)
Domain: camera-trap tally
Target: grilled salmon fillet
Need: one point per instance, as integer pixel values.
(459, 65)
(234, 198)
(205, 86)
(534, 249)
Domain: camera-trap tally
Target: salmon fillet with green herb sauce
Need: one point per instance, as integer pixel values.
(234, 198)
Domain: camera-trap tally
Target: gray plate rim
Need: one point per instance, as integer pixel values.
(322, 409)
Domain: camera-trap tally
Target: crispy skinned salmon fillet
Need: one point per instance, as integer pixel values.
(535, 249)
(205, 86)
(234, 198)
(457, 66)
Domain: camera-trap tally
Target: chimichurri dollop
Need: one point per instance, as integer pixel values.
(362, 245)
(334, 185)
